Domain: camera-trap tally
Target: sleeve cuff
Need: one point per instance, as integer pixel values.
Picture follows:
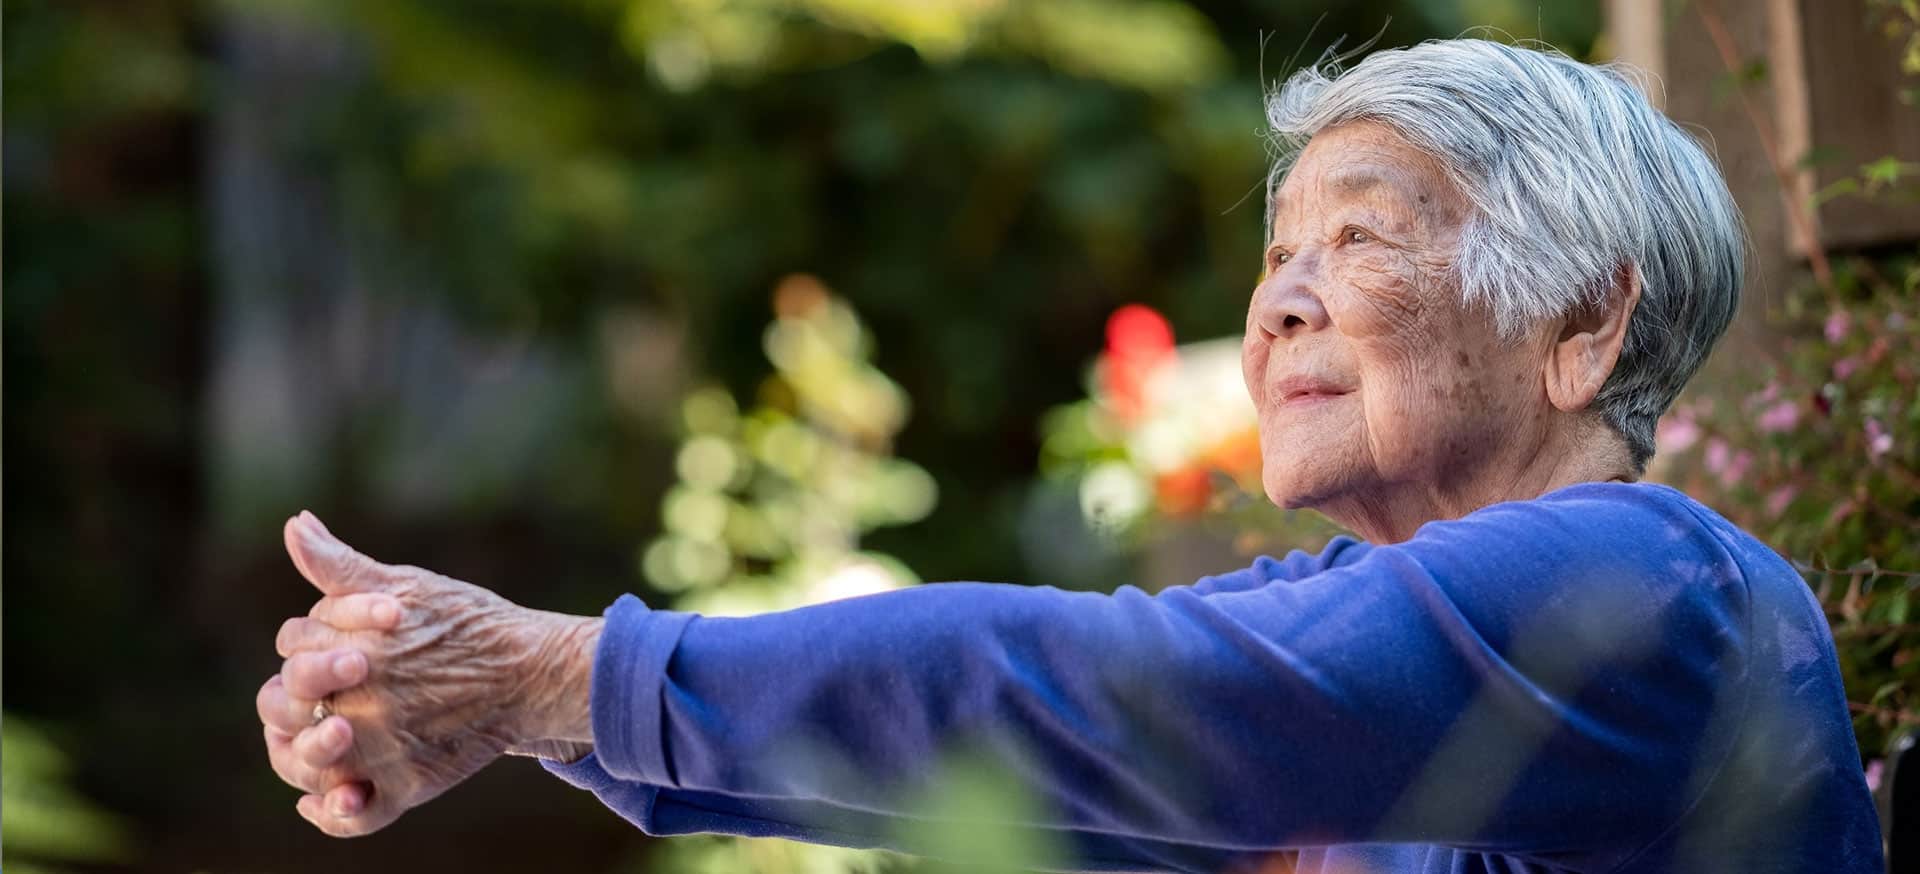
(633, 801)
(629, 682)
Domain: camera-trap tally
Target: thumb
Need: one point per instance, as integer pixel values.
(331, 566)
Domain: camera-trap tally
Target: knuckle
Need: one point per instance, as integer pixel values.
(283, 715)
(287, 769)
(356, 567)
(266, 702)
(355, 612)
(302, 674)
(289, 635)
(337, 826)
(292, 718)
(322, 745)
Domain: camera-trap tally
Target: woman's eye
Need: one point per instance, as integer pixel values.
(1354, 236)
(1278, 257)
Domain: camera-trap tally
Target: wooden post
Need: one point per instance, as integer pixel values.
(1830, 92)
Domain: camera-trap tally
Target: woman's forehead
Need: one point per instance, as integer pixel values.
(1364, 160)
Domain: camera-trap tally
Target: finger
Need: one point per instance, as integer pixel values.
(372, 817)
(281, 711)
(315, 675)
(361, 611)
(330, 565)
(301, 634)
(346, 799)
(288, 767)
(324, 745)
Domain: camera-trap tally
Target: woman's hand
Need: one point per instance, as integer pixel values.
(431, 678)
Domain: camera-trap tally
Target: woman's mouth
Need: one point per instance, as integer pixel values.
(1300, 390)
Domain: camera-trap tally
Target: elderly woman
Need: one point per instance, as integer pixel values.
(1490, 270)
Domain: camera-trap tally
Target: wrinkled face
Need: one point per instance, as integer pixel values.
(1372, 378)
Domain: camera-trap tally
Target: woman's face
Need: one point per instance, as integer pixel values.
(1374, 382)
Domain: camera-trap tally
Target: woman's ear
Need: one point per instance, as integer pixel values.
(1589, 343)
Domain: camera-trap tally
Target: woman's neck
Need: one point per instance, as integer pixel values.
(1592, 452)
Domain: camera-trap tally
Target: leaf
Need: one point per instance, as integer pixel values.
(1882, 173)
(1839, 188)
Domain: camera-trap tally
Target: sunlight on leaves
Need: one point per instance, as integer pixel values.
(42, 819)
(1146, 44)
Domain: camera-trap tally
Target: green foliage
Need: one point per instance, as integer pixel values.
(964, 825)
(1150, 44)
(713, 854)
(43, 821)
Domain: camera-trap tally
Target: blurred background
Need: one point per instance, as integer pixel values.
(740, 304)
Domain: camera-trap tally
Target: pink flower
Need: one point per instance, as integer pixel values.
(1876, 770)
(1717, 455)
(1728, 465)
(1845, 367)
(1736, 469)
(1879, 440)
(1779, 417)
(1838, 323)
(1676, 433)
(1778, 499)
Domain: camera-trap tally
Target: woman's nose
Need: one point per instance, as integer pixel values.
(1285, 306)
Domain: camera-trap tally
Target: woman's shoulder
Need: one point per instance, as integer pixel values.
(1649, 513)
(1657, 513)
(1642, 543)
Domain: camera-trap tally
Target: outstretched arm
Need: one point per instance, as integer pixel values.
(1501, 683)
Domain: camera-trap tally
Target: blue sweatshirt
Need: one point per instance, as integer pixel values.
(1609, 678)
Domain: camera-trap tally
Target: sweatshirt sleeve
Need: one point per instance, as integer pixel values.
(1296, 565)
(1533, 679)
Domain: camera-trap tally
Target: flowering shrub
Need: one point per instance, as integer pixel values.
(1812, 450)
(772, 501)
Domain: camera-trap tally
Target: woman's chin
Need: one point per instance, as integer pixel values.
(1294, 492)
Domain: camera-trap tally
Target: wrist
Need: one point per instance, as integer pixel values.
(555, 703)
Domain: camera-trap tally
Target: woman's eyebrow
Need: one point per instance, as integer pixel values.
(1360, 180)
(1355, 181)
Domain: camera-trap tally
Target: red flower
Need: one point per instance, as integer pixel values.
(1139, 341)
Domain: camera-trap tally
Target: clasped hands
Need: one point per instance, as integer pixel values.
(425, 680)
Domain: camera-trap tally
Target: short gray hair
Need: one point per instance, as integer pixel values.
(1573, 175)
